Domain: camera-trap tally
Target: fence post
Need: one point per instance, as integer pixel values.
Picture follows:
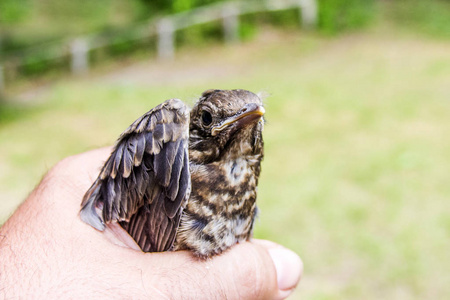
(79, 50)
(230, 21)
(308, 12)
(166, 47)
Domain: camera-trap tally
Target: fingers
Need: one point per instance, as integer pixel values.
(257, 270)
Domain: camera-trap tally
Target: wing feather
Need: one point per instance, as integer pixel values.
(145, 183)
(140, 150)
(177, 166)
(184, 185)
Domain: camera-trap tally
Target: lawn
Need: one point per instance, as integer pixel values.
(355, 177)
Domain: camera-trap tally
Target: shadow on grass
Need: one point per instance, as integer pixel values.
(11, 111)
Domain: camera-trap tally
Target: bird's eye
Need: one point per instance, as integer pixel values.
(206, 118)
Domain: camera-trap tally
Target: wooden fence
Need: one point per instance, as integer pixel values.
(164, 29)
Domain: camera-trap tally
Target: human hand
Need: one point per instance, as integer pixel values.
(46, 251)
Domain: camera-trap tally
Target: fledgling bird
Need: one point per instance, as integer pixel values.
(180, 179)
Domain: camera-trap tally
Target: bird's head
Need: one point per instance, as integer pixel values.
(226, 122)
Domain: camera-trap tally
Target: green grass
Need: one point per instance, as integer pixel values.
(429, 17)
(33, 22)
(355, 177)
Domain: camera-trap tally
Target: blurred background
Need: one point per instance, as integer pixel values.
(355, 177)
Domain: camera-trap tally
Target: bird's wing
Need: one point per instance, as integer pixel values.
(145, 183)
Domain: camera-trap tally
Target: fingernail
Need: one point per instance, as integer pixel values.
(289, 268)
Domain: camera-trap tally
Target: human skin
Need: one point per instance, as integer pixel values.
(46, 251)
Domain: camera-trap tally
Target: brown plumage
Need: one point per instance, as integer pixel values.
(184, 180)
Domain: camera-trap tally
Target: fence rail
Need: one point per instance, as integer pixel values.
(164, 29)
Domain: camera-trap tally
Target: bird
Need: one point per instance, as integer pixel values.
(184, 179)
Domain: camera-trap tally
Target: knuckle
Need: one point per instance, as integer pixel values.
(58, 169)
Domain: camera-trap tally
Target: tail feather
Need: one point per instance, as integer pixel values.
(88, 212)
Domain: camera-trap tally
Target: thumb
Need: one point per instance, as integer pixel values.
(250, 270)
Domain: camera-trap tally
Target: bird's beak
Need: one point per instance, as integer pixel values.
(249, 113)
